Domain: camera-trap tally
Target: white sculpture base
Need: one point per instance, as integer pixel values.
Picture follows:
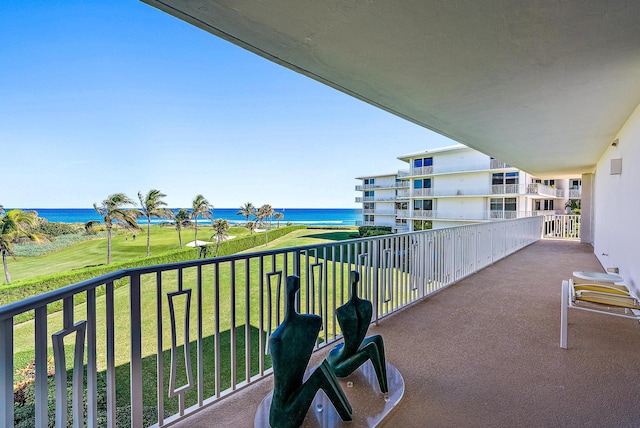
(370, 406)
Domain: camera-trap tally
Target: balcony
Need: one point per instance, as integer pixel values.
(490, 355)
(575, 193)
(454, 169)
(522, 331)
(396, 185)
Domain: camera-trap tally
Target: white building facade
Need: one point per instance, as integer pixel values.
(458, 185)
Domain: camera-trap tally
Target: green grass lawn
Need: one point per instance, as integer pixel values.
(94, 252)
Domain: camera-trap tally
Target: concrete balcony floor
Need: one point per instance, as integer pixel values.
(485, 353)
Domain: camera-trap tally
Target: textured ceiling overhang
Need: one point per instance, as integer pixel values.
(542, 85)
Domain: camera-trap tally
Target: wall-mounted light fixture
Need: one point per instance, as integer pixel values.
(616, 166)
(615, 142)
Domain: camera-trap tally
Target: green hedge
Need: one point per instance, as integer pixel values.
(32, 287)
(366, 231)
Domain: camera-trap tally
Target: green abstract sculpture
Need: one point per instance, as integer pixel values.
(354, 318)
(291, 345)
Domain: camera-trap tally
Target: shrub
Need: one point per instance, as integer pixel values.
(367, 231)
(54, 229)
(33, 249)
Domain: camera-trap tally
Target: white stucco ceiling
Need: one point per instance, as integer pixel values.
(543, 85)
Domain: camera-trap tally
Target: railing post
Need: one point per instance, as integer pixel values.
(376, 275)
(42, 399)
(6, 372)
(136, 351)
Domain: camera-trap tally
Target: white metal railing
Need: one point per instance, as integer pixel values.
(209, 319)
(497, 164)
(365, 198)
(575, 193)
(422, 170)
(397, 184)
(544, 190)
(423, 192)
(561, 226)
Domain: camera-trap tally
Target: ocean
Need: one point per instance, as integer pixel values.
(307, 216)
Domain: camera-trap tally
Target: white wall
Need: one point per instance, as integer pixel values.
(459, 160)
(468, 183)
(617, 205)
(463, 208)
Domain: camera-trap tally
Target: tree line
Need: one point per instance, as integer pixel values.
(118, 209)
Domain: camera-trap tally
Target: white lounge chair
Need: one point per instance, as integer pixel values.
(602, 298)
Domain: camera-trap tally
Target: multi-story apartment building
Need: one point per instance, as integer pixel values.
(458, 185)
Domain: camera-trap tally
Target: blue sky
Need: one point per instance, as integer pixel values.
(104, 97)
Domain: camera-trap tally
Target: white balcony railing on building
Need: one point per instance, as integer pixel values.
(396, 185)
(575, 193)
(423, 192)
(237, 301)
(422, 170)
(454, 168)
(544, 190)
(497, 164)
(365, 198)
(561, 226)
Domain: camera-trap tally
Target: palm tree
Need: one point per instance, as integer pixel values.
(278, 217)
(573, 205)
(247, 210)
(152, 205)
(181, 219)
(251, 225)
(14, 224)
(265, 211)
(221, 227)
(200, 207)
(113, 212)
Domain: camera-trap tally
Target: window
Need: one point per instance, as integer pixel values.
(511, 178)
(427, 183)
(417, 204)
(497, 204)
(500, 178)
(427, 204)
(497, 178)
(510, 204)
(369, 206)
(548, 204)
(369, 180)
(417, 163)
(368, 193)
(417, 184)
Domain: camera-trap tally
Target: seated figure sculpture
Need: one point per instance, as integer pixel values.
(291, 345)
(354, 318)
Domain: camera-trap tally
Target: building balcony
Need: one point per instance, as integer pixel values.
(491, 354)
(575, 193)
(509, 344)
(397, 185)
(454, 169)
(544, 190)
